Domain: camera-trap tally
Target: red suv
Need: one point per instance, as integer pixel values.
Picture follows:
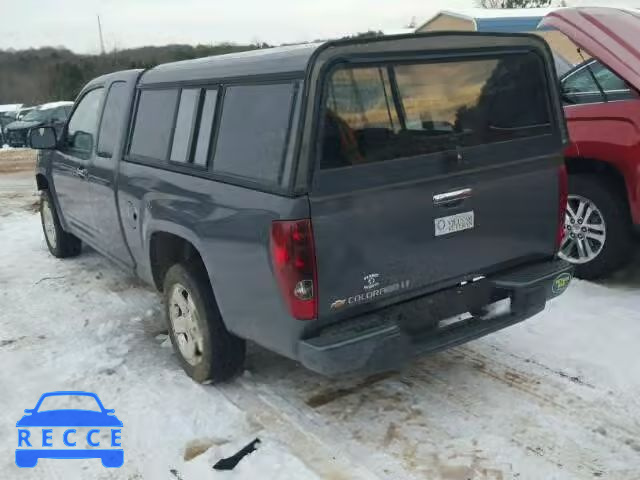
(602, 107)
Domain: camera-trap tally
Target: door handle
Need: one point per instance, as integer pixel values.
(450, 199)
(82, 172)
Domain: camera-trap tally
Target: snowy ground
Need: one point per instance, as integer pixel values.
(557, 397)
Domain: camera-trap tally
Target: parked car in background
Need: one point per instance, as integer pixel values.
(8, 114)
(49, 114)
(602, 107)
(23, 111)
(348, 204)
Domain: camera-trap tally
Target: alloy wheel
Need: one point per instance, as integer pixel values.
(183, 316)
(585, 231)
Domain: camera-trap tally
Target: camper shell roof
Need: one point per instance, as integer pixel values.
(291, 60)
(296, 60)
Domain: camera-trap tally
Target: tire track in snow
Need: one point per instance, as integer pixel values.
(325, 459)
(548, 422)
(564, 407)
(375, 423)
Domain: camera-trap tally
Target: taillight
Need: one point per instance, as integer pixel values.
(563, 193)
(294, 264)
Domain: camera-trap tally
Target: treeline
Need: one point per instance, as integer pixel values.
(48, 74)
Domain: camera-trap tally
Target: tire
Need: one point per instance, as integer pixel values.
(215, 355)
(611, 205)
(60, 243)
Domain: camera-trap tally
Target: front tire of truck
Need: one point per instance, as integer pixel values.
(60, 243)
(598, 234)
(207, 351)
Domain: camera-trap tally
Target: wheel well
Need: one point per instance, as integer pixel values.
(41, 182)
(603, 169)
(167, 249)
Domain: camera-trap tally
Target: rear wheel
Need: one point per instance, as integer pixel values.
(60, 243)
(205, 348)
(598, 236)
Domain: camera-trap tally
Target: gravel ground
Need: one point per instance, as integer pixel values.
(17, 160)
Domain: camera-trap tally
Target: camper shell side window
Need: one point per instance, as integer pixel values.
(236, 132)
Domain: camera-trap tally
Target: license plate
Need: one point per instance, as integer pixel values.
(453, 223)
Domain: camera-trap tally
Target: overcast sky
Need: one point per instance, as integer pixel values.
(131, 23)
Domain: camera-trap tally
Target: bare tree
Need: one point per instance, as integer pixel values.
(513, 3)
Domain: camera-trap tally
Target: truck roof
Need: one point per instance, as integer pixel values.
(268, 61)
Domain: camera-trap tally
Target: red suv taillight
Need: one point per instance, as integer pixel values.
(563, 193)
(294, 264)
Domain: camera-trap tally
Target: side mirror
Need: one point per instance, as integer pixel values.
(82, 141)
(28, 410)
(43, 138)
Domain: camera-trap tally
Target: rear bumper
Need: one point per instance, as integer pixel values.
(386, 339)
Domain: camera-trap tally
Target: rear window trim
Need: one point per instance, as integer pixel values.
(404, 58)
(320, 189)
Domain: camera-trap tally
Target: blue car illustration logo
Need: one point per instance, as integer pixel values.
(35, 442)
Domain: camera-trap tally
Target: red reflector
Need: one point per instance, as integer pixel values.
(563, 194)
(294, 266)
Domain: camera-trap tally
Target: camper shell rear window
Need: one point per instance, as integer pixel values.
(392, 110)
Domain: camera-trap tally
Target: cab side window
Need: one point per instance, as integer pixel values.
(83, 124)
(116, 103)
(580, 86)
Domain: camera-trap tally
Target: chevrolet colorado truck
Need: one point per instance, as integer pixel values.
(348, 204)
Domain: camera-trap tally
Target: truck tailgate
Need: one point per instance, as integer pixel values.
(433, 172)
(374, 244)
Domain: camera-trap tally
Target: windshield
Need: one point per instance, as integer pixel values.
(69, 402)
(36, 115)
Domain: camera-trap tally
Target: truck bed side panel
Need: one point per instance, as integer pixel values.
(229, 226)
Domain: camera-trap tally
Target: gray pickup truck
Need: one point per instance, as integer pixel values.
(347, 204)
